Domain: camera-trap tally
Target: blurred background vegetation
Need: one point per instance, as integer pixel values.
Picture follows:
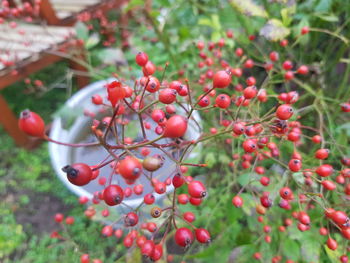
(31, 194)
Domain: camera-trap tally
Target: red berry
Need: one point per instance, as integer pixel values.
(303, 70)
(59, 217)
(153, 85)
(131, 219)
(97, 99)
(223, 101)
(184, 237)
(287, 65)
(295, 165)
(178, 180)
(157, 252)
(141, 59)
(250, 146)
(329, 185)
(286, 193)
(130, 168)
(196, 189)
(31, 123)
(221, 79)
(113, 195)
(332, 244)
(202, 235)
(322, 154)
(237, 201)
(284, 112)
(147, 248)
(324, 170)
(78, 174)
(175, 127)
(274, 56)
(167, 96)
(149, 199)
(250, 92)
(189, 216)
(305, 30)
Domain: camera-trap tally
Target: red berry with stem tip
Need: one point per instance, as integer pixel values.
(274, 56)
(203, 101)
(329, 185)
(250, 92)
(97, 99)
(221, 79)
(131, 219)
(340, 218)
(178, 180)
(149, 199)
(160, 187)
(70, 220)
(175, 127)
(251, 81)
(249, 146)
(289, 75)
(322, 154)
(107, 231)
(184, 237)
(59, 217)
(157, 252)
(189, 217)
(130, 168)
(344, 259)
(141, 59)
(303, 70)
(153, 85)
(345, 107)
(324, 170)
(196, 189)
(286, 193)
(223, 101)
(78, 174)
(287, 65)
(304, 30)
(31, 123)
(149, 68)
(294, 165)
(113, 195)
(265, 181)
(167, 96)
(323, 231)
(202, 235)
(85, 258)
(284, 112)
(147, 248)
(237, 201)
(238, 128)
(332, 244)
(304, 218)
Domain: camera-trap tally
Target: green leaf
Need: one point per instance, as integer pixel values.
(210, 159)
(287, 13)
(274, 30)
(327, 17)
(132, 4)
(291, 249)
(333, 255)
(249, 8)
(244, 179)
(92, 41)
(82, 30)
(323, 6)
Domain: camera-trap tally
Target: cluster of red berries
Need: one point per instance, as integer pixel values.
(158, 101)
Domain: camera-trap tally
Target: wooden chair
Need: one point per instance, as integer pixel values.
(27, 49)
